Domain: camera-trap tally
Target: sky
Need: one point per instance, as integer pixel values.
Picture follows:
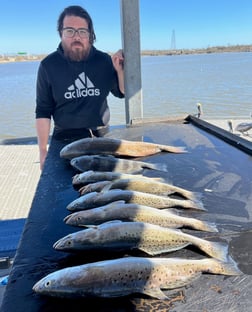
(31, 26)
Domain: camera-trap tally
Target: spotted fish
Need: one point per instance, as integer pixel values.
(129, 275)
(149, 238)
(97, 199)
(147, 185)
(91, 176)
(120, 210)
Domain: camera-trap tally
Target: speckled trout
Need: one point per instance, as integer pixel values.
(97, 199)
(117, 147)
(111, 163)
(120, 210)
(92, 176)
(149, 238)
(141, 185)
(129, 275)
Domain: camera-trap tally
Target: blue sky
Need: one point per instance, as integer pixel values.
(30, 26)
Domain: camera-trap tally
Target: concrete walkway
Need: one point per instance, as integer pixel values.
(19, 176)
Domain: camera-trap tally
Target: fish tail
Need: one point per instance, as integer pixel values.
(194, 196)
(228, 267)
(195, 204)
(207, 226)
(173, 149)
(231, 267)
(214, 249)
(158, 167)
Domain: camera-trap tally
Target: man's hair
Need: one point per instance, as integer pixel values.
(75, 10)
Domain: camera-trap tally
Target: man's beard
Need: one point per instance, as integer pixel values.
(76, 54)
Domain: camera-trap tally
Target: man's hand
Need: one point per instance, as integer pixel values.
(118, 60)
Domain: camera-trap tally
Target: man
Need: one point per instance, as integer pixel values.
(73, 83)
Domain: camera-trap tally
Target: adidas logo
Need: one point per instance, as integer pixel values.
(82, 87)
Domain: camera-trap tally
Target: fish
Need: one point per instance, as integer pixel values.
(129, 275)
(127, 236)
(142, 185)
(111, 163)
(120, 210)
(97, 199)
(92, 176)
(116, 147)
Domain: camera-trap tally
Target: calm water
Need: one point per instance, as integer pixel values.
(172, 86)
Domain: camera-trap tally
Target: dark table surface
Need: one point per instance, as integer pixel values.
(220, 172)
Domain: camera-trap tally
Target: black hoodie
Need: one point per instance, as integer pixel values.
(75, 93)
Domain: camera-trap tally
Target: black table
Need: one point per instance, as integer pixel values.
(219, 171)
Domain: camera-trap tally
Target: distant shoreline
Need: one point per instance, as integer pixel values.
(219, 49)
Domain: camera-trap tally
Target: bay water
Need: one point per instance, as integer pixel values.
(171, 86)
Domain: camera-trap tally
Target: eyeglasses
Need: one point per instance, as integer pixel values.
(70, 32)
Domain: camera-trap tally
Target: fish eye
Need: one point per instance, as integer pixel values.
(47, 283)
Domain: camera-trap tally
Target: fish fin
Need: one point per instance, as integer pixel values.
(228, 267)
(84, 190)
(91, 226)
(216, 250)
(231, 267)
(197, 196)
(172, 211)
(185, 280)
(107, 187)
(158, 167)
(173, 149)
(209, 226)
(156, 250)
(158, 179)
(197, 204)
(104, 156)
(110, 222)
(154, 293)
(194, 196)
(117, 202)
(181, 149)
(137, 175)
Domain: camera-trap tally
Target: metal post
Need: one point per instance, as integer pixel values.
(132, 63)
